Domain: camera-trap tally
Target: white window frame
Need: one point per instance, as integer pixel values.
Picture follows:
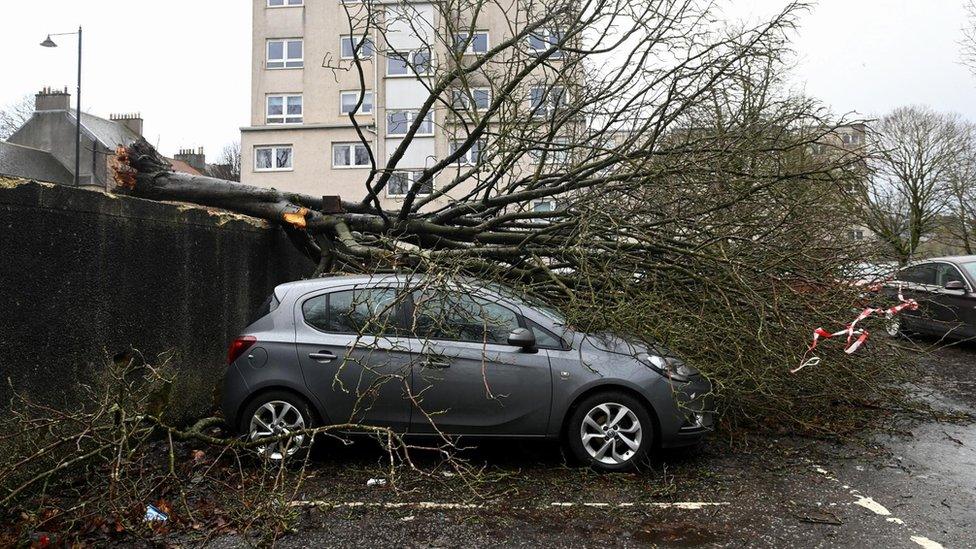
(535, 203)
(548, 105)
(466, 160)
(462, 101)
(274, 158)
(469, 49)
(355, 94)
(412, 178)
(411, 118)
(546, 35)
(362, 38)
(352, 156)
(552, 156)
(411, 65)
(284, 116)
(284, 50)
(287, 4)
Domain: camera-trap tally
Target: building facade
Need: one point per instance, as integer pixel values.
(305, 83)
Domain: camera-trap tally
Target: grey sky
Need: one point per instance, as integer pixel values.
(185, 64)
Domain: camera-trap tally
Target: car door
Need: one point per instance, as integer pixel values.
(466, 378)
(918, 282)
(352, 357)
(953, 309)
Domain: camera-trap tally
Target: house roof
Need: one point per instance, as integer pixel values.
(108, 132)
(31, 163)
(180, 166)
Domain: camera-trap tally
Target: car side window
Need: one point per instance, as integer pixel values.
(371, 311)
(946, 273)
(919, 274)
(458, 316)
(544, 338)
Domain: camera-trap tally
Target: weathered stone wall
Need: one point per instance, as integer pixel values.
(84, 274)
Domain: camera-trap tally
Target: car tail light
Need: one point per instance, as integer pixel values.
(238, 346)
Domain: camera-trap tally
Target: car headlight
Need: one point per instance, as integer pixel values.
(670, 367)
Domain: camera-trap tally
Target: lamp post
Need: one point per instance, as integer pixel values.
(48, 43)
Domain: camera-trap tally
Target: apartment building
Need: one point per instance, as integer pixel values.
(305, 83)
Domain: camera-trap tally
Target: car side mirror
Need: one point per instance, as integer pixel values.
(522, 337)
(955, 285)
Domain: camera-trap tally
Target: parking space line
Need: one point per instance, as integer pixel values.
(448, 506)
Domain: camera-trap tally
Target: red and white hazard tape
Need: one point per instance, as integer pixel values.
(855, 337)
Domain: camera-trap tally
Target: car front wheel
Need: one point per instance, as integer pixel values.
(610, 432)
(278, 413)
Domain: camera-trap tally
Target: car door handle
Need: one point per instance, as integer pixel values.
(322, 356)
(436, 364)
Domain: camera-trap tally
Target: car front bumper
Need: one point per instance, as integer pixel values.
(691, 416)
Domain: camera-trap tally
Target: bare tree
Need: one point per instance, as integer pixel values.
(909, 188)
(639, 163)
(968, 43)
(962, 186)
(15, 115)
(228, 164)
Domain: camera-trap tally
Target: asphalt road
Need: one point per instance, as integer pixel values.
(913, 488)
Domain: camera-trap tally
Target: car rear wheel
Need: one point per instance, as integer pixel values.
(274, 414)
(893, 325)
(610, 431)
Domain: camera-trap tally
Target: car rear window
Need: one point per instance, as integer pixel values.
(265, 309)
(370, 311)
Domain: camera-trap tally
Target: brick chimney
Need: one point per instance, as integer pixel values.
(194, 158)
(50, 99)
(133, 121)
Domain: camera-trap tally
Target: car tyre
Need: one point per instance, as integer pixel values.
(610, 431)
(277, 412)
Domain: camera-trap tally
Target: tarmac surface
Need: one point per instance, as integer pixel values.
(914, 486)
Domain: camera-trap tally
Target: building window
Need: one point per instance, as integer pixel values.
(285, 54)
(273, 158)
(348, 100)
(544, 101)
(544, 206)
(479, 97)
(408, 63)
(350, 155)
(284, 3)
(284, 109)
(470, 156)
(401, 181)
(541, 41)
(556, 152)
(471, 44)
(399, 122)
(347, 47)
(857, 234)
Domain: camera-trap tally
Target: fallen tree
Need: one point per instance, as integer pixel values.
(688, 197)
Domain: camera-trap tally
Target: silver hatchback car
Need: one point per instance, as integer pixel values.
(459, 358)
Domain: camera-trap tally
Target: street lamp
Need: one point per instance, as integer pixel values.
(48, 43)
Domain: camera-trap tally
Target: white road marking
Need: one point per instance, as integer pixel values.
(927, 543)
(878, 509)
(447, 506)
(873, 506)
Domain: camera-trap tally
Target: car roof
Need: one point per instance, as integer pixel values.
(952, 259)
(312, 284)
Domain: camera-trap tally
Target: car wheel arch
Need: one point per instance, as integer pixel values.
(258, 393)
(612, 388)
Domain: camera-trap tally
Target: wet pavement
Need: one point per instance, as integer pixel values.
(914, 486)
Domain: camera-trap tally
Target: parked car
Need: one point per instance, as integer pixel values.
(945, 289)
(462, 359)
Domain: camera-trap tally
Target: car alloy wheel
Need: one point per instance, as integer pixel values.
(611, 433)
(892, 325)
(274, 418)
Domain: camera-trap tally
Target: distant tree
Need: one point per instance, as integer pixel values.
(14, 115)
(968, 42)
(962, 186)
(228, 165)
(909, 187)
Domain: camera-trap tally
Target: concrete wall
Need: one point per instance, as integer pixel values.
(84, 274)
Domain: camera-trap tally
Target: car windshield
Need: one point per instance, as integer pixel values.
(971, 268)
